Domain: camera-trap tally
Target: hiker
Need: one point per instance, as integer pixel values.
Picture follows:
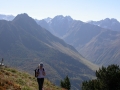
(41, 74)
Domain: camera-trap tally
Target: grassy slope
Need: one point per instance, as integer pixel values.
(17, 80)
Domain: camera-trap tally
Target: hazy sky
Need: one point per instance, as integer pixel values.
(83, 10)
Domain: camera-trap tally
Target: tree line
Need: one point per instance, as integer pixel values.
(107, 78)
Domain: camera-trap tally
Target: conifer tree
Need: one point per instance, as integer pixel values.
(107, 79)
(66, 83)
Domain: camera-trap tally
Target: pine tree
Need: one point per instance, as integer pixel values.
(66, 83)
(107, 79)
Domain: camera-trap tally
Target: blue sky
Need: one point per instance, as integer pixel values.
(83, 10)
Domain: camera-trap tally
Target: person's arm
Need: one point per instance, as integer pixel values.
(44, 72)
(37, 72)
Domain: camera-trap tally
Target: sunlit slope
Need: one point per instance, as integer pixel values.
(18, 80)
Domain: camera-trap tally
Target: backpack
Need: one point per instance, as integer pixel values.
(37, 72)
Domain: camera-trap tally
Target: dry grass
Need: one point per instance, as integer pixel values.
(15, 80)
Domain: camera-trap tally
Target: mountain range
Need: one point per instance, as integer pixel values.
(96, 41)
(6, 17)
(24, 44)
(107, 23)
(67, 29)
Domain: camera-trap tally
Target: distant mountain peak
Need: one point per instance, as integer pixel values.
(61, 17)
(69, 17)
(114, 20)
(48, 19)
(108, 23)
(6, 17)
(20, 16)
(107, 19)
(23, 14)
(24, 19)
(110, 20)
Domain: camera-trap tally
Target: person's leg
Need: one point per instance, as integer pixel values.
(39, 83)
(42, 81)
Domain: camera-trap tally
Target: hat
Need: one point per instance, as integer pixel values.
(41, 64)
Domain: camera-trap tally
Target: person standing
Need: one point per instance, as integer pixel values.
(41, 74)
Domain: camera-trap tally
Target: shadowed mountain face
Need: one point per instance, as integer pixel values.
(98, 44)
(24, 44)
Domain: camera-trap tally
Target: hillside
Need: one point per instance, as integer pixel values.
(104, 49)
(24, 44)
(14, 79)
(99, 45)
